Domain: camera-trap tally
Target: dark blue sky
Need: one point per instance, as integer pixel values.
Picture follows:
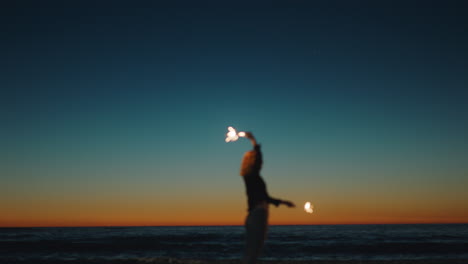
(329, 87)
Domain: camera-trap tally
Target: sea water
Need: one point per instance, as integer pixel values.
(317, 242)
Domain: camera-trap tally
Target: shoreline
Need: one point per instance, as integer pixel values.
(229, 261)
(224, 225)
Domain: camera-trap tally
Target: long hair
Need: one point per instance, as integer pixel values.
(251, 163)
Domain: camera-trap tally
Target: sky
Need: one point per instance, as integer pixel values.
(114, 114)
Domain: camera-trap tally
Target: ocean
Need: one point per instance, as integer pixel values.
(318, 242)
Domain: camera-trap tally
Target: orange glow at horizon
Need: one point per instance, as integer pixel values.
(141, 205)
(230, 214)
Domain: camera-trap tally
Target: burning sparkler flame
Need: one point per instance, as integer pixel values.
(309, 208)
(232, 135)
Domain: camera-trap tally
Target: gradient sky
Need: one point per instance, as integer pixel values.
(115, 114)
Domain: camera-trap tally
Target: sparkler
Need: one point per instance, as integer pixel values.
(232, 135)
(308, 207)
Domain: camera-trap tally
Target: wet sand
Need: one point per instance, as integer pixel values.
(181, 261)
(196, 261)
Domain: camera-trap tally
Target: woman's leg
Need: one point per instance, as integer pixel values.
(256, 226)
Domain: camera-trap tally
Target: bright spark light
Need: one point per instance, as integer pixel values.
(232, 135)
(308, 207)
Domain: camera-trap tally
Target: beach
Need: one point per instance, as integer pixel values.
(234, 261)
(327, 244)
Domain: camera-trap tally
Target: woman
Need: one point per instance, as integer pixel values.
(258, 200)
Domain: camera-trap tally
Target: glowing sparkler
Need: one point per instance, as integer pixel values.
(308, 207)
(232, 135)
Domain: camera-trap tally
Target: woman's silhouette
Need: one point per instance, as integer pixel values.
(256, 224)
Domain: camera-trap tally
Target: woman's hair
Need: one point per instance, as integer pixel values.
(251, 163)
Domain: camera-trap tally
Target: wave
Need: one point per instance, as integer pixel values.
(284, 242)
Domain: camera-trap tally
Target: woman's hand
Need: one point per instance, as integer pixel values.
(249, 135)
(288, 204)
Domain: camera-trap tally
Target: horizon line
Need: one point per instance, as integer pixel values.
(221, 225)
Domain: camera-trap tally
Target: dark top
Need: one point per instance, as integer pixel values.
(256, 191)
(255, 186)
